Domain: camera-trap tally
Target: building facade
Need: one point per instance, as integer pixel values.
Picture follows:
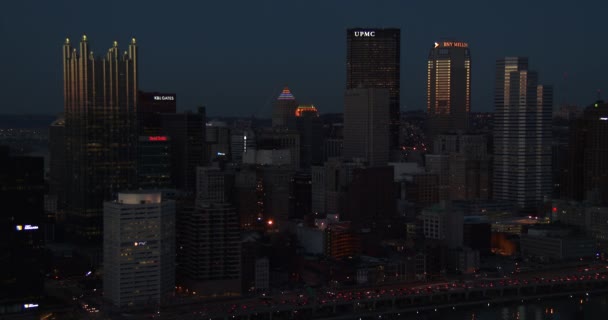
(139, 249)
(210, 249)
(186, 132)
(448, 87)
(366, 125)
(522, 135)
(373, 60)
(284, 110)
(100, 104)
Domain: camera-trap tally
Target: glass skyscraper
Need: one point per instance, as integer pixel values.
(522, 135)
(100, 99)
(448, 87)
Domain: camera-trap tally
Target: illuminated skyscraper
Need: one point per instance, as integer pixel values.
(284, 110)
(100, 99)
(448, 87)
(522, 135)
(373, 61)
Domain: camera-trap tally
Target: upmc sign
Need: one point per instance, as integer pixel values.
(365, 34)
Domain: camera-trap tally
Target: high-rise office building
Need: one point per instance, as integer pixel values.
(186, 132)
(277, 139)
(468, 166)
(154, 162)
(370, 202)
(100, 99)
(522, 135)
(373, 61)
(586, 174)
(213, 185)
(366, 130)
(57, 165)
(300, 195)
(241, 141)
(276, 185)
(138, 249)
(210, 249)
(284, 110)
(246, 199)
(150, 107)
(218, 140)
(310, 128)
(21, 234)
(448, 87)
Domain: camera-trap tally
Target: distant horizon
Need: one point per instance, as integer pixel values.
(239, 67)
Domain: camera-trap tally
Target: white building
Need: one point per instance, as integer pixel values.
(139, 249)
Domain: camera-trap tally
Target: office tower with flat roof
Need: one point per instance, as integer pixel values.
(373, 61)
(150, 107)
(138, 249)
(586, 174)
(241, 141)
(522, 135)
(213, 185)
(186, 132)
(448, 87)
(100, 99)
(284, 110)
(210, 249)
(310, 128)
(57, 165)
(366, 130)
(21, 234)
(154, 162)
(218, 139)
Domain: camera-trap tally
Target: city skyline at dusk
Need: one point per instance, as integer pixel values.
(303, 160)
(203, 59)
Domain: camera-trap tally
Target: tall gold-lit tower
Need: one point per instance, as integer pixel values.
(100, 99)
(448, 87)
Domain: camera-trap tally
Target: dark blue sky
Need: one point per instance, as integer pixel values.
(234, 56)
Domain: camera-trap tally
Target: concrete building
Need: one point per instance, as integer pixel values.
(442, 222)
(213, 185)
(556, 248)
(139, 249)
(210, 249)
(262, 274)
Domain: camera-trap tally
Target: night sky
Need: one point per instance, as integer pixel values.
(235, 56)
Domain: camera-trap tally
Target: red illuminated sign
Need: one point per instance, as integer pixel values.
(157, 138)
